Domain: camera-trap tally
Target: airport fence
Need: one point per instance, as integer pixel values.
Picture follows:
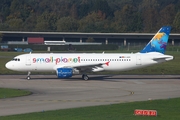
(102, 47)
(132, 47)
(139, 46)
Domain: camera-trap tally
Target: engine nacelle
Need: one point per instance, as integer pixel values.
(64, 72)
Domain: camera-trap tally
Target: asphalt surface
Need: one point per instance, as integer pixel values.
(50, 93)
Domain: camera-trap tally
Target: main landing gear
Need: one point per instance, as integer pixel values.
(28, 76)
(85, 77)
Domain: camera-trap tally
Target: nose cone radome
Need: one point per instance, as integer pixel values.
(8, 65)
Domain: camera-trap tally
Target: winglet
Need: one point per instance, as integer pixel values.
(159, 42)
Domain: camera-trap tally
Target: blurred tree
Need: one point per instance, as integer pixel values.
(89, 15)
(103, 6)
(15, 24)
(46, 22)
(176, 22)
(41, 26)
(4, 26)
(93, 22)
(150, 15)
(127, 19)
(74, 12)
(4, 11)
(20, 9)
(84, 8)
(67, 24)
(30, 23)
(167, 15)
(42, 22)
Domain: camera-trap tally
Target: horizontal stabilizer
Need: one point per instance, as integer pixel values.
(166, 58)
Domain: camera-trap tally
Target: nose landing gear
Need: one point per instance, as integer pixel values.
(28, 76)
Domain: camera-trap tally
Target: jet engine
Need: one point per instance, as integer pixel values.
(64, 72)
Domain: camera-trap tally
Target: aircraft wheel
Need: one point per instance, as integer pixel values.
(85, 77)
(28, 78)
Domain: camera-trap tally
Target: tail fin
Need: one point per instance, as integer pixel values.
(159, 42)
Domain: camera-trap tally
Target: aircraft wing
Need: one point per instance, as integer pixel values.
(85, 67)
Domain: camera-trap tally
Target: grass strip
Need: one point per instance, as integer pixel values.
(167, 110)
(9, 93)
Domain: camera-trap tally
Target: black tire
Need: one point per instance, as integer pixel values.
(85, 77)
(28, 78)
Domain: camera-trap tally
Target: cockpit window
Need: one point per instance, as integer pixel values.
(16, 59)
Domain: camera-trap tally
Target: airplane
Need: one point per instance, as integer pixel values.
(68, 64)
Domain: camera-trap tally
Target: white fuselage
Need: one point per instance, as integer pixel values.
(108, 61)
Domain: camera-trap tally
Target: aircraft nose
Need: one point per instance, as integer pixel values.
(8, 65)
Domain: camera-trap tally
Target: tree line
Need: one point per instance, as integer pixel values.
(89, 15)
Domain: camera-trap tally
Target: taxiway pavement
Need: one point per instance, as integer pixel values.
(50, 93)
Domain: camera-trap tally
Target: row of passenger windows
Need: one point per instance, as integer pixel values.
(16, 59)
(105, 60)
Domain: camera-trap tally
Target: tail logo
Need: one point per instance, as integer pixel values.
(159, 42)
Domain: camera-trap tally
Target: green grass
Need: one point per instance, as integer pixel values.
(170, 67)
(8, 93)
(167, 110)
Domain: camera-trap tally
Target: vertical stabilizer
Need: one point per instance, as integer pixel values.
(159, 42)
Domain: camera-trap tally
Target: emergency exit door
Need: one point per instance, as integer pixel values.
(28, 60)
(138, 60)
